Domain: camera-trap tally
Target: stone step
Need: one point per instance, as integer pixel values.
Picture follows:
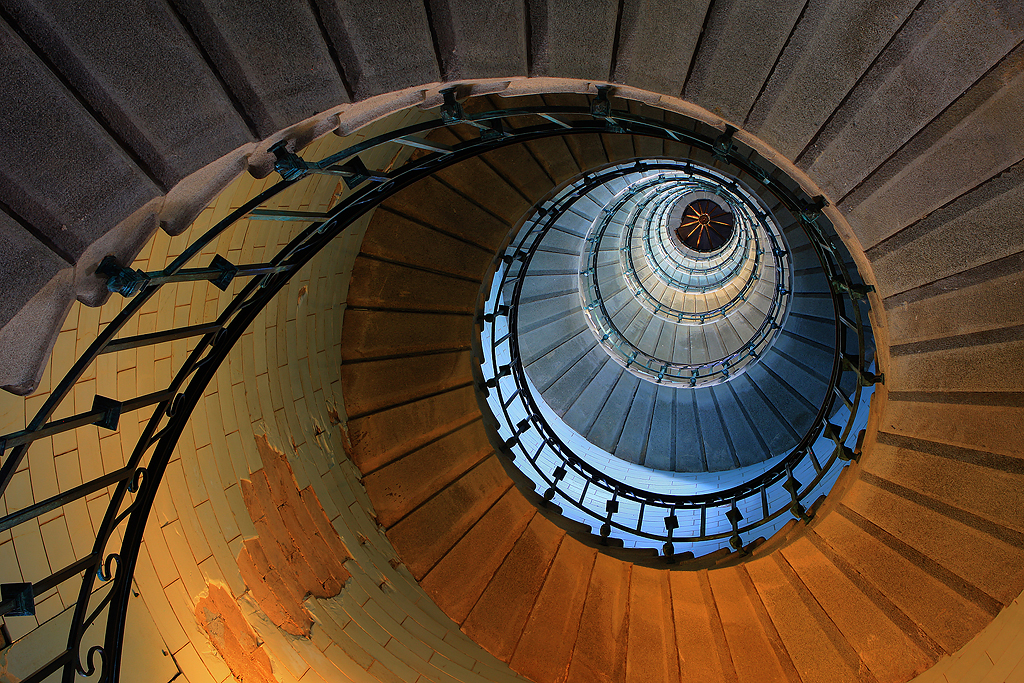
(813, 303)
(551, 632)
(378, 384)
(581, 404)
(555, 159)
(434, 204)
(611, 419)
(601, 644)
(743, 435)
(406, 482)
(497, 620)
(814, 646)
(517, 165)
(783, 396)
(541, 312)
(580, 384)
(889, 643)
(806, 385)
(563, 241)
(719, 452)
(554, 263)
(770, 422)
(394, 237)
(811, 279)
(376, 333)
(456, 582)
(813, 334)
(650, 623)
(381, 284)
(169, 68)
(547, 369)
(481, 184)
(754, 645)
(638, 427)
(540, 287)
(944, 614)
(380, 437)
(965, 550)
(43, 190)
(689, 454)
(426, 534)
(245, 45)
(700, 637)
(541, 341)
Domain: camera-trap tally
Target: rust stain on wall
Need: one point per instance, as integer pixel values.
(297, 552)
(240, 648)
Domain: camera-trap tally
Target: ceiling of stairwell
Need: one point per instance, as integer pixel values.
(704, 225)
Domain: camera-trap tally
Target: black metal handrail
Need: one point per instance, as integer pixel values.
(508, 379)
(137, 482)
(692, 373)
(641, 290)
(658, 268)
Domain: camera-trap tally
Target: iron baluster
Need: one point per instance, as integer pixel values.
(175, 403)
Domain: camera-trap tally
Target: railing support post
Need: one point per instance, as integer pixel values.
(734, 516)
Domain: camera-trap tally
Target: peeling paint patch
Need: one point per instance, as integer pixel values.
(238, 645)
(297, 552)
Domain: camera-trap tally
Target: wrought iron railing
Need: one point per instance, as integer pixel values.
(647, 364)
(106, 574)
(679, 277)
(745, 227)
(585, 492)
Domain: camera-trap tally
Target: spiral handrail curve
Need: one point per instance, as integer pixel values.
(137, 482)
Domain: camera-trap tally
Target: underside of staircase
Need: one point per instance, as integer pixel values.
(857, 594)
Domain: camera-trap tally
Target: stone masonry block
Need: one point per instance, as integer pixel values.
(195, 123)
(72, 185)
(383, 46)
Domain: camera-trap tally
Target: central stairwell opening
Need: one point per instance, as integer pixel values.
(665, 396)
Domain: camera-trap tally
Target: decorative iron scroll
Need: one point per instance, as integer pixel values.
(106, 575)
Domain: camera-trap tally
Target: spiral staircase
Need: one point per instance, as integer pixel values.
(645, 313)
(897, 572)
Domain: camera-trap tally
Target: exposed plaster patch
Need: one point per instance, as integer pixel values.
(236, 642)
(297, 553)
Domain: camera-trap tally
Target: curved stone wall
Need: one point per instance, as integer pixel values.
(881, 555)
(263, 461)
